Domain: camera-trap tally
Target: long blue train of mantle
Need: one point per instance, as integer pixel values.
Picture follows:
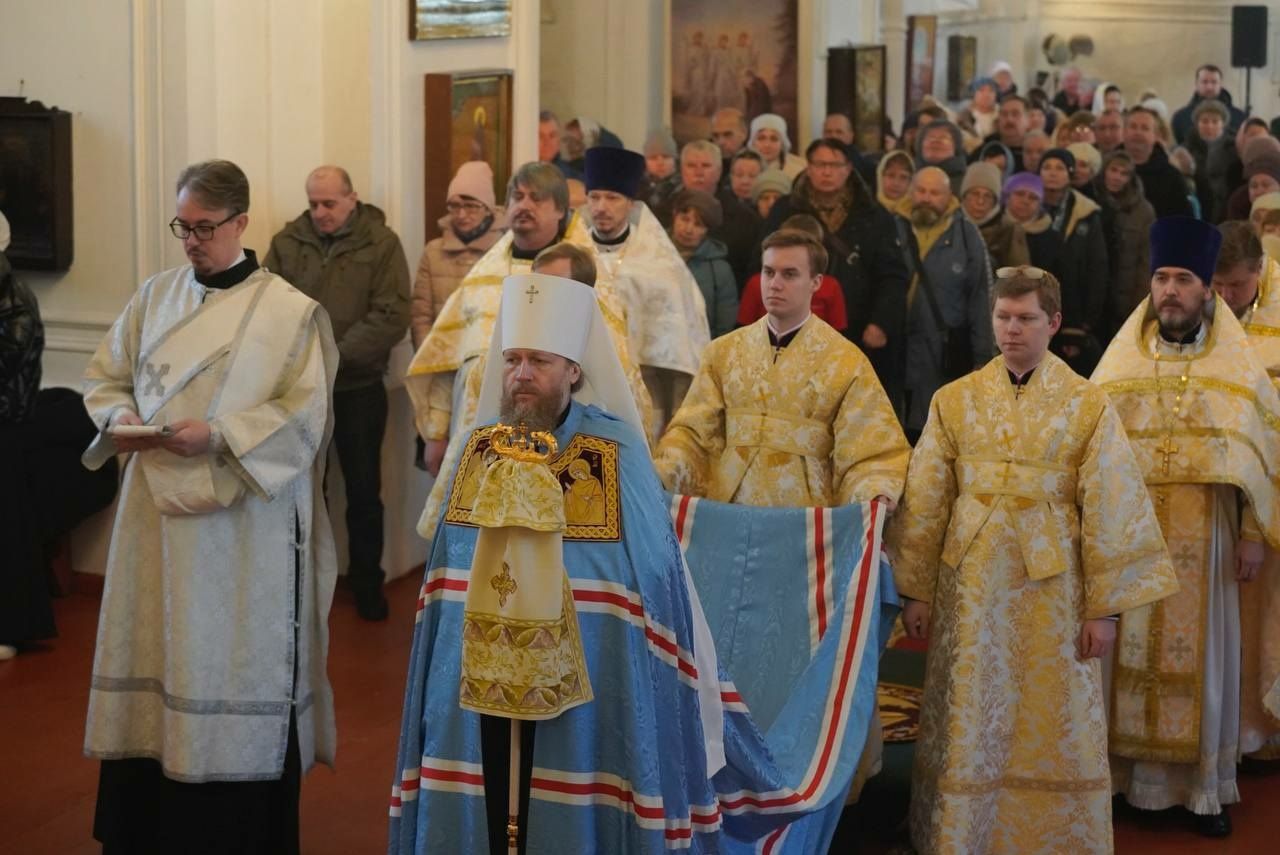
(799, 604)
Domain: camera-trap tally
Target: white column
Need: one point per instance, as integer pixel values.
(893, 34)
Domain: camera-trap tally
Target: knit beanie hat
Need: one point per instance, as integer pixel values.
(1083, 151)
(984, 175)
(660, 141)
(979, 82)
(707, 206)
(1266, 163)
(1257, 146)
(773, 122)
(1068, 159)
(1023, 181)
(771, 179)
(1117, 154)
(1210, 105)
(474, 179)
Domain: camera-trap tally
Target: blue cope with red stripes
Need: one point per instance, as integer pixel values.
(799, 602)
(792, 596)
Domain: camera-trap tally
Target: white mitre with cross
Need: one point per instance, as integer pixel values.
(560, 316)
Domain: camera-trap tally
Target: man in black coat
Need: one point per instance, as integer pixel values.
(865, 256)
(1163, 184)
(1208, 87)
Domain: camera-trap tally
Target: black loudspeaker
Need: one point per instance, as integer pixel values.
(1248, 36)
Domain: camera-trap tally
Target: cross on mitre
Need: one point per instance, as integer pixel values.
(532, 292)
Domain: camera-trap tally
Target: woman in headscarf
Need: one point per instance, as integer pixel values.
(999, 154)
(1107, 97)
(893, 179)
(769, 140)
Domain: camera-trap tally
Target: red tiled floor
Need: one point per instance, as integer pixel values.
(47, 787)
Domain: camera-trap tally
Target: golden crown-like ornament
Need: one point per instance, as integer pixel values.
(519, 443)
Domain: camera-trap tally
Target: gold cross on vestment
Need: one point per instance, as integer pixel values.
(503, 585)
(532, 292)
(1168, 449)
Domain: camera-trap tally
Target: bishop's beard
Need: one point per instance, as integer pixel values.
(542, 413)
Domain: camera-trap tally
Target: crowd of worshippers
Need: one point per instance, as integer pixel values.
(1069, 183)
(777, 329)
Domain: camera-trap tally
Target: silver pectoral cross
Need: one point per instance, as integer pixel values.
(154, 377)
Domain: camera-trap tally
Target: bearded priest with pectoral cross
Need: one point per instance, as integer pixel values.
(1204, 422)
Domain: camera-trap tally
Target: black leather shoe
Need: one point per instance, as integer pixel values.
(1214, 824)
(371, 604)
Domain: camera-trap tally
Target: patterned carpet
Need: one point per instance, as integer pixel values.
(899, 711)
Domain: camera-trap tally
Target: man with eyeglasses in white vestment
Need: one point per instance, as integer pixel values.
(209, 698)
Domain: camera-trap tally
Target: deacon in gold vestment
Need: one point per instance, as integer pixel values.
(1249, 282)
(785, 412)
(1024, 529)
(788, 413)
(1204, 423)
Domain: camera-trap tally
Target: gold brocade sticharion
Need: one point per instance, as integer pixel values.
(811, 428)
(1024, 516)
(1260, 602)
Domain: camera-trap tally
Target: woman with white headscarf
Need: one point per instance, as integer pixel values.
(769, 140)
(1107, 97)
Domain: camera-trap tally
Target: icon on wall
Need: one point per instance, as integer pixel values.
(732, 53)
(467, 117)
(922, 40)
(35, 184)
(459, 19)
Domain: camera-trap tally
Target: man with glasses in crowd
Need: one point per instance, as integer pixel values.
(209, 697)
(341, 253)
(864, 255)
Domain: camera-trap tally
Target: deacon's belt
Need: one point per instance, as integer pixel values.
(778, 432)
(1037, 480)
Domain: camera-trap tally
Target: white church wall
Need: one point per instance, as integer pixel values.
(77, 58)
(1138, 44)
(605, 59)
(396, 119)
(278, 86)
(1159, 43)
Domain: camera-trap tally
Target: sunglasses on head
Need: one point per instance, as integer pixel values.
(1025, 270)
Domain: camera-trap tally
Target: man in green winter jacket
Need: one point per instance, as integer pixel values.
(341, 254)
